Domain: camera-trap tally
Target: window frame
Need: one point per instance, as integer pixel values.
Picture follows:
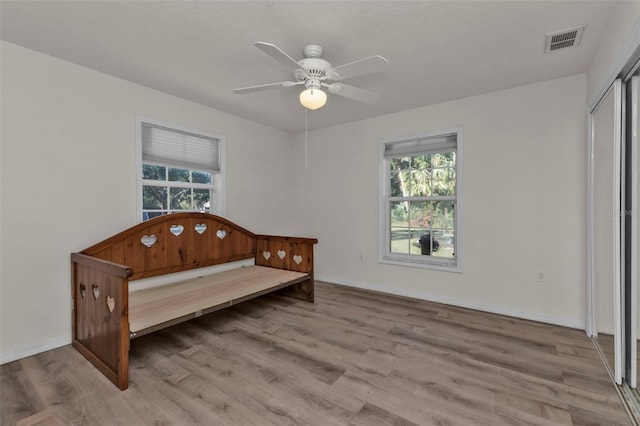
(218, 178)
(384, 216)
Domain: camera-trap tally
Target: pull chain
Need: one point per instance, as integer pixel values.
(306, 149)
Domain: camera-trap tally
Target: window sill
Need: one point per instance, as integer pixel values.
(438, 266)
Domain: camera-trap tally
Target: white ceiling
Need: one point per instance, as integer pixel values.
(202, 50)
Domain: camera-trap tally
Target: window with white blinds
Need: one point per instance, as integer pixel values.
(180, 170)
(420, 201)
(183, 149)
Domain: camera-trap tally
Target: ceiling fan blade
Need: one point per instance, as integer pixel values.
(276, 53)
(368, 65)
(260, 87)
(354, 93)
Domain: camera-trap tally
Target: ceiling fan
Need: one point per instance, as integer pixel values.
(315, 72)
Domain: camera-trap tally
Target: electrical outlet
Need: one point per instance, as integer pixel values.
(541, 275)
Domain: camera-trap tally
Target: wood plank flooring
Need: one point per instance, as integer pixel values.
(353, 358)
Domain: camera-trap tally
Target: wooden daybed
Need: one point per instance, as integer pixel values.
(106, 315)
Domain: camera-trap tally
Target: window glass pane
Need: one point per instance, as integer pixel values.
(443, 159)
(154, 197)
(400, 240)
(420, 162)
(400, 214)
(178, 175)
(400, 173)
(201, 177)
(180, 198)
(419, 245)
(443, 214)
(400, 183)
(419, 223)
(403, 163)
(443, 223)
(201, 199)
(445, 241)
(152, 172)
(427, 245)
(444, 181)
(399, 227)
(420, 214)
(420, 183)
(151, 215)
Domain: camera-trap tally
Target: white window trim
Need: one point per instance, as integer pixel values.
(219, 178)
(384, 253)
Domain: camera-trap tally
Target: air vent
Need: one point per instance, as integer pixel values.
(563, 39)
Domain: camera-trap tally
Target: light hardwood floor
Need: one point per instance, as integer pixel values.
(352, 358)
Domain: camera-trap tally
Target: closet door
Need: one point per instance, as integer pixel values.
(605, 250)
(634, 231)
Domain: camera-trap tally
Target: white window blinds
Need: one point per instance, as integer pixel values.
(180, 149)
(429, 145)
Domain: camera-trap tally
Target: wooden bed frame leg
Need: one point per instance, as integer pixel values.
(303, 291)
(100, 292)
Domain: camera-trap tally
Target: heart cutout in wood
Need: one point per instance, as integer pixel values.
(200, 228)
(96, 291)
(266, 254)
(83, 290)
(111, 303)
(148, 240)
(221, 233)
(297, 258)
(176, 229)
(282, 254)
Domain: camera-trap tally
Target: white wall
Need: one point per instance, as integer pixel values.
(68, 181)
(524, 201)
(623, 25)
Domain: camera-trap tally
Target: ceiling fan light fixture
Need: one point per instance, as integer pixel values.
(313, 98)
(314, 72)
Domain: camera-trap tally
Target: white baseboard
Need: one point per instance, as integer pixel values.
(463, 303)
(10, 356)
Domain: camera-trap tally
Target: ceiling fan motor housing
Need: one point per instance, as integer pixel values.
(312, 62)
(316, 67)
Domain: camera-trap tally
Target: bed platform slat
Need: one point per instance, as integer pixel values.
(162, 305)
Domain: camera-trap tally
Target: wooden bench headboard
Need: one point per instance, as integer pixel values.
(183, 241)
(176, 242)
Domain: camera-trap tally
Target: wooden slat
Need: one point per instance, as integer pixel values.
(150, 307)
(105, 266)
(302, 240)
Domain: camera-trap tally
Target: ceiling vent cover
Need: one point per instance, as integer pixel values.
(563, 39)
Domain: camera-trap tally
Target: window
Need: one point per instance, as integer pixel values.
(420, 205)
(180, 170)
